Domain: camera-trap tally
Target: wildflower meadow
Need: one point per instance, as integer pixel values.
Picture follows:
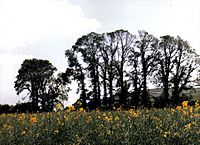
(178, 125)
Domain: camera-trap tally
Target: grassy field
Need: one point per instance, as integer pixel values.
(194, 93)
(180, 125)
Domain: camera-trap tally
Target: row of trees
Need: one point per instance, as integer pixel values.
(112, 69)
(116, 68)
(18, 108)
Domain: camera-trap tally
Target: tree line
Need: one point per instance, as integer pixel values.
(17, 108)
(114, 69)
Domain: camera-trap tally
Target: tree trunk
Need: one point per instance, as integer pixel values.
(105, 86)
(111, 87)
(94, 82)
(144, 92)
(99, 89)
(144, 69)
(83, 94)
(135, 97)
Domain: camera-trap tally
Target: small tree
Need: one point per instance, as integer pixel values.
(35, 76)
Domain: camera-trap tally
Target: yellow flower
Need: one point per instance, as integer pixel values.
(185, 112)
(33, 120)
(134, 113)
(178, 107)
(188, 126)
(108, 119)
(20, 118)
(185, 103)
(66, 117)
(59, 106)
(71, 108)
(6, 126)
(193, 122)
(191, 109)
(81, 110)
(197, 104)
(116, 118)
(98, 117)
(196, 115)
(166, 134)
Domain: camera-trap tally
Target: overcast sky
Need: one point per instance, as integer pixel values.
(46, 28)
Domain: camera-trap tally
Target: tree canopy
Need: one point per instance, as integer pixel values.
(117, 67)
(36, 77)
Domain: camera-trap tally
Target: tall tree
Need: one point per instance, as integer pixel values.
(88, 46)
(109, 49)
(184, 64)
(34, 76)
(135, 75)
(125, 42)
(166, 55)
(103, 64)
(147, 45)
(76, 71)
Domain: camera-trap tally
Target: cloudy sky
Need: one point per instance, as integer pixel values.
(46, 28)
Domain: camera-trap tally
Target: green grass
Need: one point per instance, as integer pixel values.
(155, 126)
(195, 93)
(195, 96)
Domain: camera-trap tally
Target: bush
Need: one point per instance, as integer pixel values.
(5, 108)
(18, 108)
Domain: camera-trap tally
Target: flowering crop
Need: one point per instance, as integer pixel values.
(33, 119)
(178, 125)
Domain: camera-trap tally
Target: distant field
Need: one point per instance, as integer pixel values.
(194, 92)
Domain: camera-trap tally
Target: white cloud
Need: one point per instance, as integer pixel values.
(168, 17)
(9, 65)
(178, 17)
(39, 28)
(26, 21)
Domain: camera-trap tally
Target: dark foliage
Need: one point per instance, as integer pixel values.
(115, 69)
(18, 108)
(36, 77)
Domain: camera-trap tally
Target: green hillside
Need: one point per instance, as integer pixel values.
(195, 93)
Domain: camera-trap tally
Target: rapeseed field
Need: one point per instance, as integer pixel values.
(180, 125)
